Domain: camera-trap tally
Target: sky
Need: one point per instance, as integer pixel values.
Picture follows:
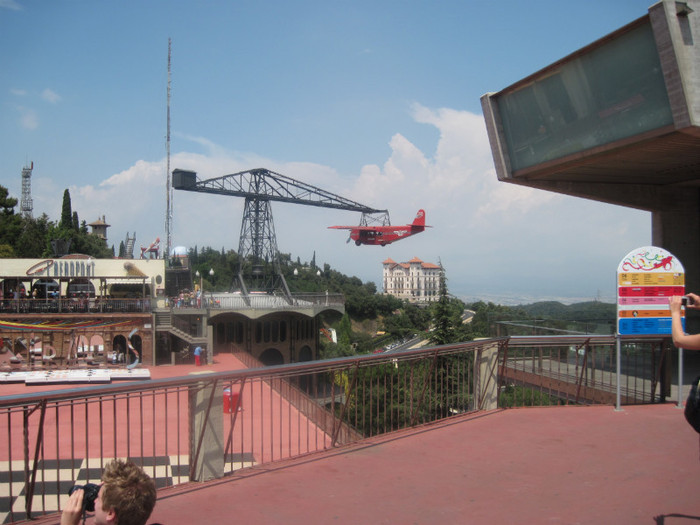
(374, 100)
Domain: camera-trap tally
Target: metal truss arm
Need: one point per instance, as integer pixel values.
(264, 184)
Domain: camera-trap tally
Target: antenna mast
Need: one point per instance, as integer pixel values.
(169, 188)
(26, 204)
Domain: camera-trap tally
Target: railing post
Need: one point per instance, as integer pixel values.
(680, 378)
(486, 384)
(419, 404)
(206, 424)
(618, 373)
(343, 408)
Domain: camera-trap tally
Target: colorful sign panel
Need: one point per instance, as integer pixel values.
(646, 278)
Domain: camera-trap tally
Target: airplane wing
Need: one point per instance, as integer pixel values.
(358, 228)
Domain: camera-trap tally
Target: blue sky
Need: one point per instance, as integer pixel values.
(377, 101)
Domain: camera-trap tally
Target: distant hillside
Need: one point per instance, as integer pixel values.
(589, 310)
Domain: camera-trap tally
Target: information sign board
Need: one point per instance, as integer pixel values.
(646, 278)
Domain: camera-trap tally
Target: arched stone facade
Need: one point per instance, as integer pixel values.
(284, 331)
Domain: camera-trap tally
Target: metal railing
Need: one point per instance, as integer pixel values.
(235, 300)
(206, 426)
(67, 305)
(265, 301)
(546, 370)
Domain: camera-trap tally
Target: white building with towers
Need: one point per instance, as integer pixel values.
(415, 281)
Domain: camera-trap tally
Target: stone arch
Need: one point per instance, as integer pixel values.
(119, 346)
(10, 286)
(44, 288)
(306, 381)
(82, 344)
(306, 354)
(271, 357)
(80, 287)
(137, 343)
(97, 345)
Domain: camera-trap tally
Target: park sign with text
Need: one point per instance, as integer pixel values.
(646, 278)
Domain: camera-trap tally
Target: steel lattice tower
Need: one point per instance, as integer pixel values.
(26, 206)
(257, 251)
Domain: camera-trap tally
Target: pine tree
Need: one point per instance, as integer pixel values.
(443, 324)
(66, 212)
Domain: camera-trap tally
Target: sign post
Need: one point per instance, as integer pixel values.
(646, 278)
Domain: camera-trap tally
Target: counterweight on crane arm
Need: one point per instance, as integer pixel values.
(257, 250)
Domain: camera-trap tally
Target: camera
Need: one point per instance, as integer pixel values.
(685, 300)
(90, 491)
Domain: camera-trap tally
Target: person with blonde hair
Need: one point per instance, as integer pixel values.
(127, 496)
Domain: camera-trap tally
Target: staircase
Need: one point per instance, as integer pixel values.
(164, 323)
(129, 246)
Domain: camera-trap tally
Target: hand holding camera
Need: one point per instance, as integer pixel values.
(90, 492)
(691, 301)
(82, 499)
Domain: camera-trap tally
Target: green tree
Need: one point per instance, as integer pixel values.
(10, 223)
(88, 244)
(344, 330)
(32, 241)
(66, 212)
(447, 315)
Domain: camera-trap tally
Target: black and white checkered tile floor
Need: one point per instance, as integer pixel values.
(55, 477)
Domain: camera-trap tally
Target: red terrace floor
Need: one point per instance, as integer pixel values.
(558, 465)
(565, 465)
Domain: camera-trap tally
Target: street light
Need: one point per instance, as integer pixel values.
(201, 284)
(201, 289)
(201, 278)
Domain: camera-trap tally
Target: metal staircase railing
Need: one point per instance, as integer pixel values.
(165, 323)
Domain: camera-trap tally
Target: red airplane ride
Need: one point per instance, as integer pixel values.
(384, 235)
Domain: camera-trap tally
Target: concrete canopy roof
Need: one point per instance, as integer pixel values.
(643, 170)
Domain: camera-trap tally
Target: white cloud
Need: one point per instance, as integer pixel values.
(28, 118)
(10, 4)
(50, 96)
(491, 236)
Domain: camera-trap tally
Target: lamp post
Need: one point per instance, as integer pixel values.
(201, 284)
(201, 288)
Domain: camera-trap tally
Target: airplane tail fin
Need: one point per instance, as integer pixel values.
(419, 221)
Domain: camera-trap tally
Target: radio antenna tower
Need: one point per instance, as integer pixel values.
(168, 185)
(26, 204)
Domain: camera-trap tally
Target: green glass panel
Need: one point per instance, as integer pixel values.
(613, 92)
